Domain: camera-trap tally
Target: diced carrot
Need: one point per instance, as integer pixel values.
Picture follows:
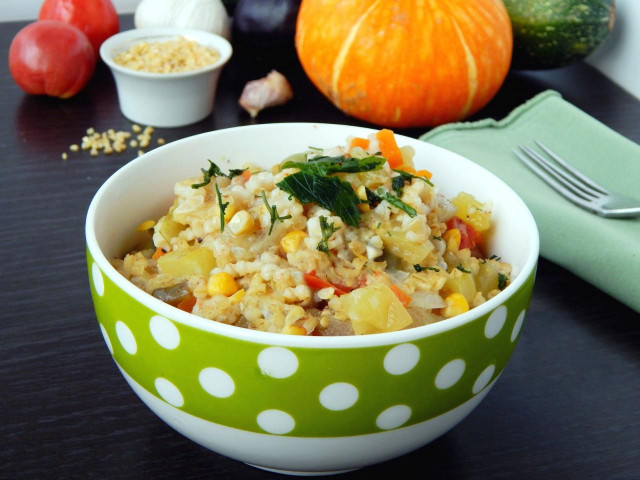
(187, 304)
(389, 148)
(246, 175)
(312, 280)
(406, 168)
(402, 296)
(359, 142)
(424, 173)
(420, 173)
(158, 253)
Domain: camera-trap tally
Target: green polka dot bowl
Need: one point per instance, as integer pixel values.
(312, 405)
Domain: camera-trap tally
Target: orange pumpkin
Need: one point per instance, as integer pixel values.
(405, 63)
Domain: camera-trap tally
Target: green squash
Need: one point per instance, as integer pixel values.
(556, 33)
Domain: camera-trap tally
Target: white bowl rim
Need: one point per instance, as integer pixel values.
(139, 34)
(279, 339)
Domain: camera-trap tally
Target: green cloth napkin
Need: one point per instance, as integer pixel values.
(604, 252)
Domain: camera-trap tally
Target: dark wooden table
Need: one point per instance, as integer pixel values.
(567, 406)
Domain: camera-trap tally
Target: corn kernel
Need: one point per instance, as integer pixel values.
(452, 237)
(222, 283)
(241, 222)
(294, 330)
(230, 210)
(146, 225)
(361, 192)
(291, 241)
(456, 305)
(236, 297)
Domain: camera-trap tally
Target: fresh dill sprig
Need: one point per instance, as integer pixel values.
(223, 207)
(327, 230)
(273, 212)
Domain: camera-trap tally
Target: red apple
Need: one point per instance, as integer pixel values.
(97, 19)
(51, 58)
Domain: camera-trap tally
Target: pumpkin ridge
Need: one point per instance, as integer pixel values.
(338, 64)
(472, 70)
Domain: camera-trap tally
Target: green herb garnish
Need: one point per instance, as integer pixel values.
(324, 166)
(214, 171)
(327, 230)
(397, 183)
(494, 257)
(502, 281)
(223, 207)
(328, 192)
(372, 199)
(273, 212)
(462, 269)
(420, 268)
(435, 237)
(396, 202)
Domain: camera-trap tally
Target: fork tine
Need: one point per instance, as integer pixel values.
(571, 183)
(558, 187)
(573, 170)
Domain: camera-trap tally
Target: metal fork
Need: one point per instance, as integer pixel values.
(577, 187)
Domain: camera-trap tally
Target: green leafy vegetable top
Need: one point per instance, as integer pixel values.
(328, 192)
(323, 165)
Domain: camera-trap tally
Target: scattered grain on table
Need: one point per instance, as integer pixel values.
(112, 140)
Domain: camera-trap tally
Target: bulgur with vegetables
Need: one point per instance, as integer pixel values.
(340, 241)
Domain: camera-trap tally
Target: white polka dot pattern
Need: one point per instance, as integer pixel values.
(276, 422)
(216, 382)
(98, 279)
(338, 396)
(164, 332)
(169, 392)
(517, 326)
(277, 362)
(337, 393)
(449, 375)
(393, 417)
(126, 338)
(483, 379)
(495, 322)
(401, 359)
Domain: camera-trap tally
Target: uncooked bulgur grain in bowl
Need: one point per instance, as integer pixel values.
(339, 241)
(170, 56)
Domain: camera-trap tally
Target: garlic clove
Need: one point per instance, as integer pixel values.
(269, 91)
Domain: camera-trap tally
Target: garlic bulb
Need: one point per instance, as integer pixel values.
(208, 15)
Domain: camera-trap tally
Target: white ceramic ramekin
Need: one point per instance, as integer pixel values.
(165, 99)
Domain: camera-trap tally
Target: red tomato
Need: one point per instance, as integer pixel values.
(97, 19)
(469, 238)
(51, 58)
